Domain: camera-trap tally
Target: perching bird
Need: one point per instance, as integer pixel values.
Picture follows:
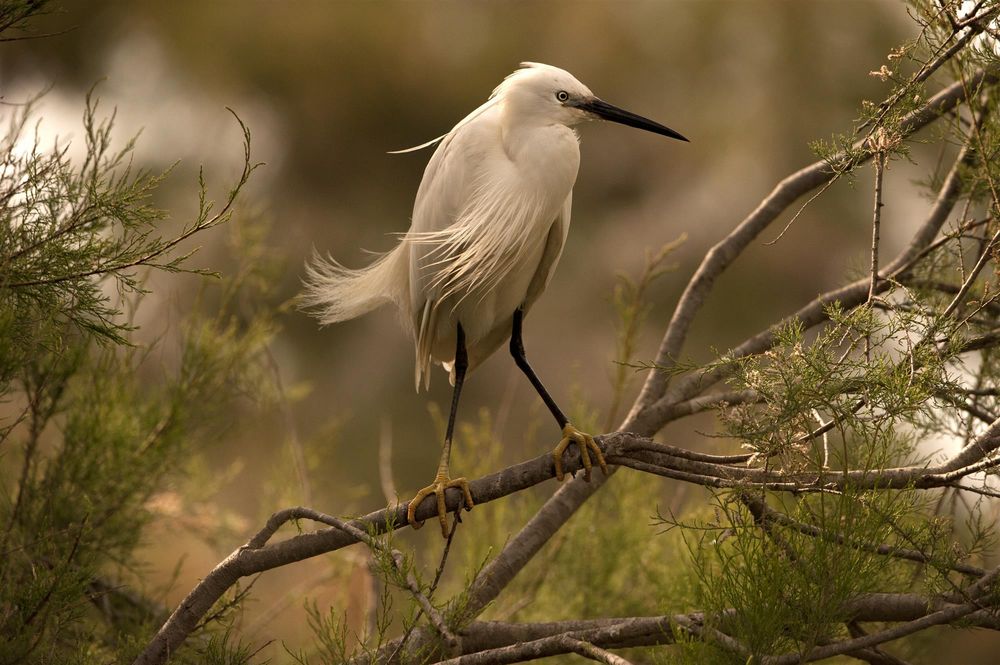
(489, 224)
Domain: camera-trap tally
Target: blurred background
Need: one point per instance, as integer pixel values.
(327, 88)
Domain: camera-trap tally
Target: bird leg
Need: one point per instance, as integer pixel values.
(583, 441)
(442, 481)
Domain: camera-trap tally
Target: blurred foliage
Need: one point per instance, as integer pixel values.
(87, 438)
(15, 15)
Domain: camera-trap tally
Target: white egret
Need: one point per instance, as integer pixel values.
(489, 223)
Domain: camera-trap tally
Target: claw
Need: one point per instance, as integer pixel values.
(438, 487)
(584, 442)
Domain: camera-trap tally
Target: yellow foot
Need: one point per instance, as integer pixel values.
(438, 487)
(585, 443)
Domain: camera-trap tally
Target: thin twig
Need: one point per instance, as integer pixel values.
(150, 257)
(879, 164)
(292, 431)
(385, 462)
(765, 513)
(392, 555)
(815, 312)
(993, 494)
(430, 593)
(984, 258)
(588, 650)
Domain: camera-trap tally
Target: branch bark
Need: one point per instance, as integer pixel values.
(257, 555)
(620, 447)
(789, 190)
(670, 405)
(494, 642)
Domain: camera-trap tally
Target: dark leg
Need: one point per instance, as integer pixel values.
(517, 350)
(461, 364)
(442, 481)
(584, 441)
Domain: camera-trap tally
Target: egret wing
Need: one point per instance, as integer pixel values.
(479, 232)
(554, 244)
(447, 186)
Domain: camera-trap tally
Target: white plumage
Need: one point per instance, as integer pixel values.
(489, 223)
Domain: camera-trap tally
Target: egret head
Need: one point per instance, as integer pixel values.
(551, 94)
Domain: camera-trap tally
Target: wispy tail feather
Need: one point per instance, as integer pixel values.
(334, 293)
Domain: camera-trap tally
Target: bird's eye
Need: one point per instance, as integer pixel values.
(562, 95)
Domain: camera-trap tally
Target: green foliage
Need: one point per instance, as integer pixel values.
(776, 590)
(332, 633)
(85, 437)
(226, 648)
(865, 374)
(66, 226)
(608, 561)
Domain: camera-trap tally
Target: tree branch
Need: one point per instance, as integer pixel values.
(669, 406)
(723, 253)
(495, 642)
(257, 556)
(620, 448)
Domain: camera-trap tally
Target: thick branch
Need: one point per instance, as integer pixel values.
(621, 448)
(646, 455)
(671, 405)
(789, 190)
(492, 642)
(257, 556)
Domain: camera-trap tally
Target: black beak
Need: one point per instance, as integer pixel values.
(602, 109)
